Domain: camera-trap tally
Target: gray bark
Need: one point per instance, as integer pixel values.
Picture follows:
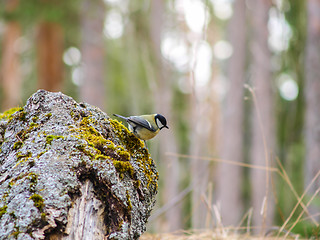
(68, 171)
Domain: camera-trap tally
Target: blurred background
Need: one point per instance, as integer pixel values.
(238, 81)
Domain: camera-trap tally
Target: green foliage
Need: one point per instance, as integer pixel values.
(32, 11)
(307, 230)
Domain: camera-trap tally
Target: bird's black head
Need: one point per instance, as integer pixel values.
(161, 121)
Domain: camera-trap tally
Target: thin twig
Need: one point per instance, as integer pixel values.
(241, 164)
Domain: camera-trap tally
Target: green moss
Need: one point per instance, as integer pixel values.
(124, 167)
(23, 134)
(22, 116)
(17, 145)
(35, 118)
(33, 125)
(21, 158)
(38, 201)
(135, 146)
(27, 155)
(14, 180)
(16, 232)
(13, 215)
(137, 183)
(11, 183)
(43, 217)
(33, 178)
(128, 138)
(40, 154)
(3, 210)
(124, 155)
(129, 201)
(101, 157)
(98, 146)
(50, 138)
(48, 115)
(7, 115)
(91, 152)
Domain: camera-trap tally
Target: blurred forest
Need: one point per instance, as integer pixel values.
(238, 81)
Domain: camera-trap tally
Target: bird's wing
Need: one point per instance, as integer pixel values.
(140, 122)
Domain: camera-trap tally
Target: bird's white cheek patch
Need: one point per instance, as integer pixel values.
(159, 124)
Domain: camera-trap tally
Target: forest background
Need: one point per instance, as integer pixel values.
(238, 81)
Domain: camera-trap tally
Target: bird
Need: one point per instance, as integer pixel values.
(145, 127)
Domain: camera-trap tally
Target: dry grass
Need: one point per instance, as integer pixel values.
(207, 235)
(281, 232)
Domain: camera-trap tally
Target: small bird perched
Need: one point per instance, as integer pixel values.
(145, 127)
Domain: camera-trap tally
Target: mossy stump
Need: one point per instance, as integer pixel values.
(68, 171)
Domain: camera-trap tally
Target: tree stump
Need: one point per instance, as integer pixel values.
(68, 171)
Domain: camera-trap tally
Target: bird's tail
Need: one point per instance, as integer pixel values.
(117, 115)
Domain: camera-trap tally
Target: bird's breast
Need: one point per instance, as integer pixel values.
(145, 134)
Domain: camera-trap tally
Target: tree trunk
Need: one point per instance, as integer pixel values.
(312, 98)
(49, 56)
(203, 143)
(92, 89)
(168, 142)
(10, 70)
(68, 171)
(229, 177)
(263, 131)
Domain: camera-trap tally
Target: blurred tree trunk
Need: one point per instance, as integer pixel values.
(49, 56)
(168, 143)
(10, 70)
(92, 89)
(263, 132)
(201, 169)
(312, 97)
(229, 177)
